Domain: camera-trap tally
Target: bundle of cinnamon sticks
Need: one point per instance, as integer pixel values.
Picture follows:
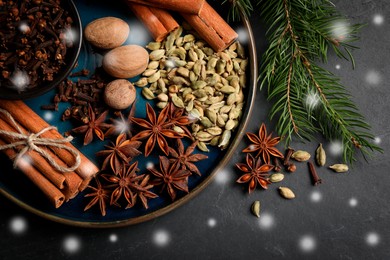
(58, 186)
(198, 13)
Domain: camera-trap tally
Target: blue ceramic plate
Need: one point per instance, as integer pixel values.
(19, 189)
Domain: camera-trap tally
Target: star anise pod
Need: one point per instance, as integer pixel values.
(143, 192)
(177, 117)
(100, 196)
(92, 126)
(156, 130)
(124, 184)
(123, 151)
(185, 158)
(254, 173)
(171, 176)
(264, 144)
(121, 125)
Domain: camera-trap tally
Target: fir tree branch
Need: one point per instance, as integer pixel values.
(300, 34)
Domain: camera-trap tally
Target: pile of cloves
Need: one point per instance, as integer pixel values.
(85, 92)
(33, 41)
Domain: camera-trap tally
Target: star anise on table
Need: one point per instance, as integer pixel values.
(178, 119)
(171, 177)
(124, 184)
(185, 157)
(123, 151)
(100, 196)
(264, 144)
(92, 126)
(122, 124)
(156, 130)
(254, 172)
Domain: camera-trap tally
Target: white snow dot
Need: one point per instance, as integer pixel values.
(121, 127)
(18, 225)
(242, 35)
(372, 239)
(161, 238)
(223, 177)
(170, 63)
(377, 140)
(266, 221)
(378, 19)
(70, 36)
(315, 196)
(211, 222)
(373, 77)
(113, 238)
(149, 165)
(23, 27)
(24, 161)
(72, 244)
(48, 116)
(139, 35)
(312, 100)
(341, 30)
(336, 147)
(353, 202)
(307, 243)
(20, 80)
(338, 66)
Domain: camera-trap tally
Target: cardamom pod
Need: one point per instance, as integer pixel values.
(255, 208)
(320, 156)
(338, 167)
(286, 193)
(276, 177)
(300, 156)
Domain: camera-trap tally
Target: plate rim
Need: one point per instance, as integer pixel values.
(194, 192)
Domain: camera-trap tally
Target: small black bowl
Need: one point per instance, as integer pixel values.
(70, 61)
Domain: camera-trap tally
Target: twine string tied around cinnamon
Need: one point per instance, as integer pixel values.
(32, 141)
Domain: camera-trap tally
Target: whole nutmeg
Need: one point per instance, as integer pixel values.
(119, 94)
(126, 61)
(107, 32)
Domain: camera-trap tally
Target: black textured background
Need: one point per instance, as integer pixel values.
(349, 221)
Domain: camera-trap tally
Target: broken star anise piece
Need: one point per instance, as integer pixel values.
(142, 191)
(156, 130)
(92, 126)
(265, 145)
(123, 151)
(124, 184)
(254, 173)
(185, 158)
(100, 196)
(171, 177)
(178, 119)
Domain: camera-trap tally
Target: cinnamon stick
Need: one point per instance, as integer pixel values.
(26, 117)
(52, 192)
(183, 6)
(212, 27)
(36, 159)
(159, 22)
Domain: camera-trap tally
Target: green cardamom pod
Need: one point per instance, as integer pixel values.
(286, 193)
(300, 156)
(338, 167)
(276, 177)
(320, 155)
(255, 208)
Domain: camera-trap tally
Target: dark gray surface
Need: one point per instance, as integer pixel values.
(346, 217)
